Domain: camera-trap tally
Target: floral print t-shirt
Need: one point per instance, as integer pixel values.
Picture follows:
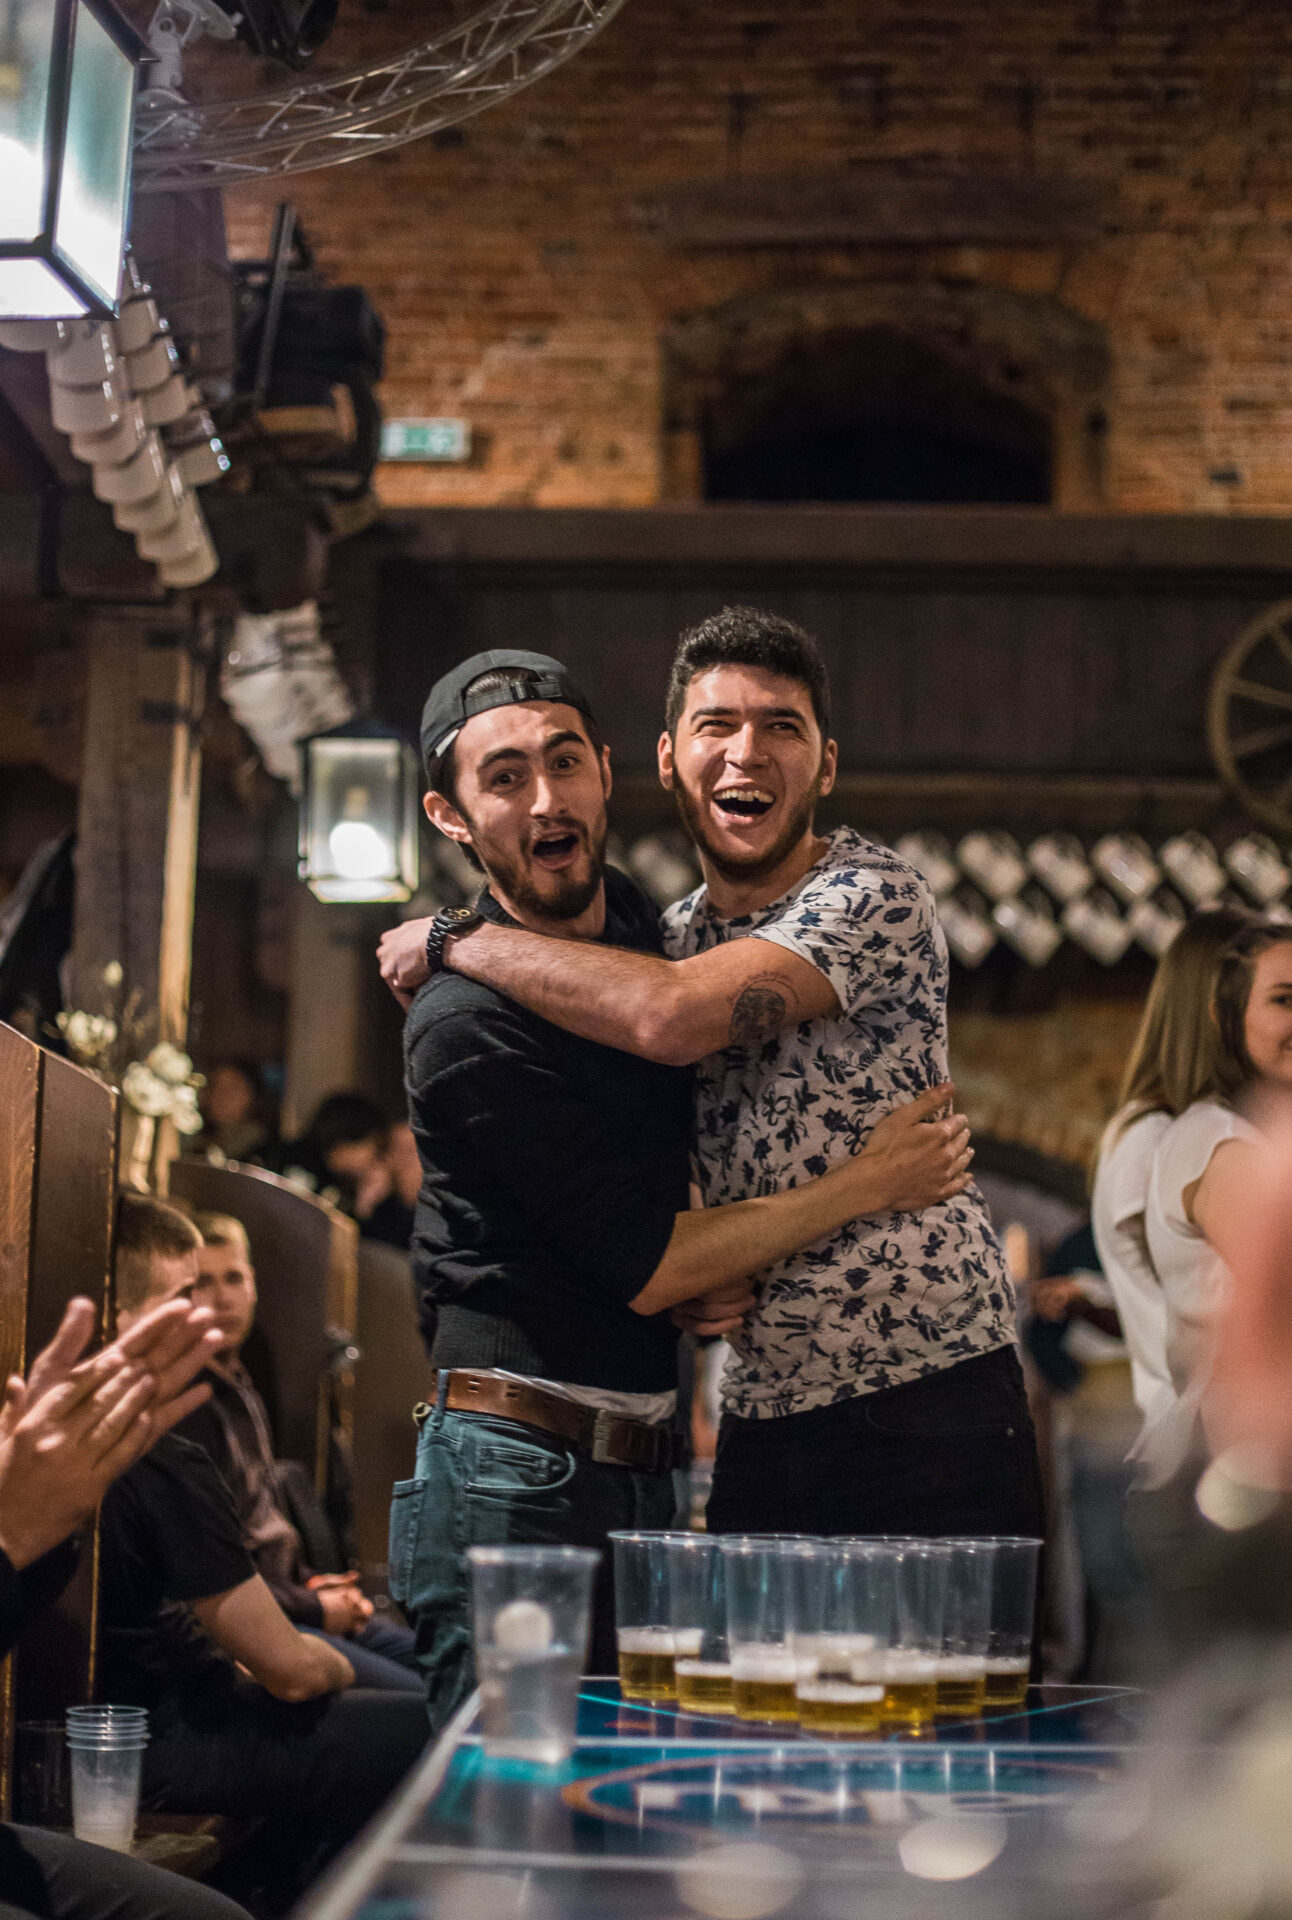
(890, 1297)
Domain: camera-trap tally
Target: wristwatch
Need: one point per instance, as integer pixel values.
(448, 920)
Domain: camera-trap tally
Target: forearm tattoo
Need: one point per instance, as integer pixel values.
(760, 1011)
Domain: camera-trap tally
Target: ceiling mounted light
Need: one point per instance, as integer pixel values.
(288, 30)
(67, 102)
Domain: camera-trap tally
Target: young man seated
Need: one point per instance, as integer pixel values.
(233, 1428)
(247, 1716)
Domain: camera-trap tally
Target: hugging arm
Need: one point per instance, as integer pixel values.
(675, 1011)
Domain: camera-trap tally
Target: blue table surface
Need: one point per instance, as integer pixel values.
(646, 1787)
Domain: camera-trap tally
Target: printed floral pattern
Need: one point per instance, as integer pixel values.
(888, 1298)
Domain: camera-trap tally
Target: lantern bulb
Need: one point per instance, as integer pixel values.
(359, 852)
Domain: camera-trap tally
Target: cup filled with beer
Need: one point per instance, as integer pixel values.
(1013, 1607)
(643, 1628)
(697, 1603)
(966, 1628)
(764, 1669)
(842, 1603)
(911, 1665)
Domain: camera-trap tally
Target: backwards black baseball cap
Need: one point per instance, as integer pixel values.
(449, 706)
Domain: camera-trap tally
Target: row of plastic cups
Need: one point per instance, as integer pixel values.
(843, 1635)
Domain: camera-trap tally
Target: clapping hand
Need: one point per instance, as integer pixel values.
(70, 1428)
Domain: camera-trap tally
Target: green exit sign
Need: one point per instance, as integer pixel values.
(441, 440)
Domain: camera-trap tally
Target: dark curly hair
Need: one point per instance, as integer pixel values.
(748, 637)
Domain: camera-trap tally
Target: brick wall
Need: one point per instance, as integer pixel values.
(522, 290)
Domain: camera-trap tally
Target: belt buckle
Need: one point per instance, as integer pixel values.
(606, 1453)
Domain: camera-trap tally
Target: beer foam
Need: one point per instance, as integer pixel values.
(905, 1666)
(961, 1666)
(839, 1693)
(704, 1670)
(1013, 1664)
(687, 1641)
(775, 1664)
(645, 1639)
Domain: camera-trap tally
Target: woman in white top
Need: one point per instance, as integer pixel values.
(1171, 1065)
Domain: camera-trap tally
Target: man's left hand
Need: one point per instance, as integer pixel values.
(401, 955)
(713, 1315)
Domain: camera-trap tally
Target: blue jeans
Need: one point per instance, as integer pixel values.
(479, 1481)
(381, 1654)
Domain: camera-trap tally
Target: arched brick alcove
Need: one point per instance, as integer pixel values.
(1004, 392)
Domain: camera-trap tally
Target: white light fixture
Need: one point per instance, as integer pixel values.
(67, 105)
(1259, 868)
(930, 854)
(359, 814)
(1125, 862)
(1059, 861)
(1190, 860)
(1027, 922)
(1095, 924)
(993, 862)
(1156, 919)
(967, 926)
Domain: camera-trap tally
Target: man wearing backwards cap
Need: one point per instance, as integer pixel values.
(553, 1234)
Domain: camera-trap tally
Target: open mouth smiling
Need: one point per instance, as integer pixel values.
(744, 803)
(555, 849)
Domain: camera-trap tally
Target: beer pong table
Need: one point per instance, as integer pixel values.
(663, 1815)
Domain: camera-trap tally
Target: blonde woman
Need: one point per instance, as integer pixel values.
(1172, 1064)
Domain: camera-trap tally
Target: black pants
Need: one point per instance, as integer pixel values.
(55, 1877)
(953, 1453)
(313, 1773)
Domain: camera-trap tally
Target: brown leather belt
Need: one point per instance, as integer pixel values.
(604, 1437)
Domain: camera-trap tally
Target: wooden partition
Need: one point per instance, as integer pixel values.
(305, 1255)
(58, 1148)
(391, 1375)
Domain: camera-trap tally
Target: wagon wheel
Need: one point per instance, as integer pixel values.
(1249, 717)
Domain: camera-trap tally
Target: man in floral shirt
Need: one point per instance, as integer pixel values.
(876, 1387)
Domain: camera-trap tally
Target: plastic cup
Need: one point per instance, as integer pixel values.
(966, 1628)
(697, 1608)
(531, 1610)
(42, 1794)
(842, 1600)
(911, 1666)
(1013, 1608)
(107, 1750)
(758, 1570)
(643, 1628)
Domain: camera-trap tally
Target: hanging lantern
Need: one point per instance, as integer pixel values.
(359, 813)
(67, 104)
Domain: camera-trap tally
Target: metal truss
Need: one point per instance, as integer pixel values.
(309, 124)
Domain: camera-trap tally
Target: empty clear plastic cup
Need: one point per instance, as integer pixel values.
(697, 1610)
(1013, 1609)
(643, 1629)
(531, 1609)
(966, 1627)
(106, 1745)
(758, 1574)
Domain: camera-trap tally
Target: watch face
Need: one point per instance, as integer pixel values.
(463, 913)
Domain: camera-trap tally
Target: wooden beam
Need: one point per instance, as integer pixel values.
(137, 824)
(885, 203)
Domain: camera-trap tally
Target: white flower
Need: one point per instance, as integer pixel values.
(187, 1119)
(146, 1092)
(169, 1064)
(113, 974)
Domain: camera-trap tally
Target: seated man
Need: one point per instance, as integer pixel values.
(65, 1433)
(233, 1427)
(246, 1714)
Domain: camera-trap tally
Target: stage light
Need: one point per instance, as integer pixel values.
(1190, 860)
(359, 813)
(1126, 863)
(1259, 868)
(67, 104)
(287, 30)
(1059, 861)
(993, 862)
